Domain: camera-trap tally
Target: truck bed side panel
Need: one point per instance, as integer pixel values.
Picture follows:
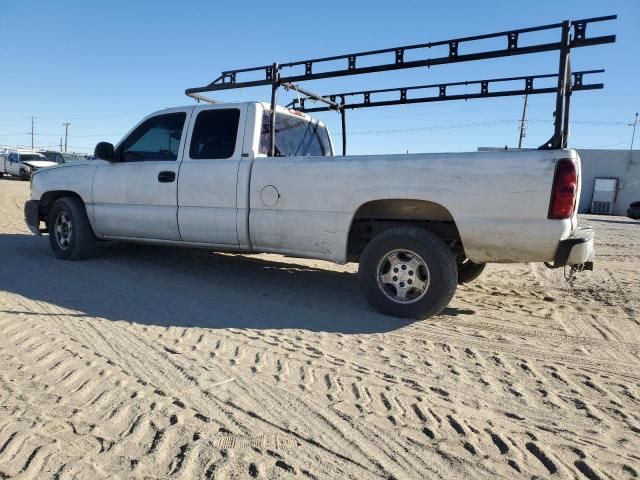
(498, 200)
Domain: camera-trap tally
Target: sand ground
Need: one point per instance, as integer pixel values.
(165, 363)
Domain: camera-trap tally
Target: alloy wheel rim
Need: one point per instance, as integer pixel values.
(63, 230)
(403, 276)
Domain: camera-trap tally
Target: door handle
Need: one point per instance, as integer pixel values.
(166, 177)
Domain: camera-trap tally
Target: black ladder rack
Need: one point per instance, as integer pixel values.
(573, 34)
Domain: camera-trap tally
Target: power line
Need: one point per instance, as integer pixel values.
(57, 134)
(435, 127)
(601, 146)
(529, 120)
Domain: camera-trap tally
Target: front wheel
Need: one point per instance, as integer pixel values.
(70, 234)
(408, 272)
(469, 271)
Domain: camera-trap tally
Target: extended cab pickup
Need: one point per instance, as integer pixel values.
(200, 176)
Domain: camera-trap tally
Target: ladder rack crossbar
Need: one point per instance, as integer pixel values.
(228, 78)
(578, 85)
(466, 96)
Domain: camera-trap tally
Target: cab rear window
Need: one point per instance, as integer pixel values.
(295, 137)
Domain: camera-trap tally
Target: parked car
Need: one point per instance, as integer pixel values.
(53, 156)
(634, 210)
(75, 157)
(22, 163)
(199, 176)
(59, 157)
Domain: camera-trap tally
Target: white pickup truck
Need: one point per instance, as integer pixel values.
(200, 176)
(22, 163)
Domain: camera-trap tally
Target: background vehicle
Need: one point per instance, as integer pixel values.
(3, 157)
(59, 157)
(52, 156)
(22, 163)
(634, 210)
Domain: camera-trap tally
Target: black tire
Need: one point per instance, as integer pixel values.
(80, 243)
(469, 271)
(437, 265)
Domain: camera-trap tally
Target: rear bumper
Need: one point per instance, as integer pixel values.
(577, 250)
(32, 215)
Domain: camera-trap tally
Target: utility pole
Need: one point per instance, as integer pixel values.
(61, 144)
(33, 121)
(633, 135)
(523, 122)
(66, 133)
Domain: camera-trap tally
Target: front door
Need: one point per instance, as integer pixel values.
(137, 195)
(207, 185)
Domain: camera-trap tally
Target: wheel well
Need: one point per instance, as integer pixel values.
(379, 215)
(48, 199)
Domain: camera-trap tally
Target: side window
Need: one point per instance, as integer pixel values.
(158, 138)
(214, 134)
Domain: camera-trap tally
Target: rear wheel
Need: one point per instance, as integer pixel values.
(408, 272)
(469, 271)
(70, 234)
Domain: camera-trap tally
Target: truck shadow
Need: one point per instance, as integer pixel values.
(187, 288)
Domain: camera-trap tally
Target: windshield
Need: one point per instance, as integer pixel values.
(295, 136)
(71, 158)
(51, 156)
(27, 157)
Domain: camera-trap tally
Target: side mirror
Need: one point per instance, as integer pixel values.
(104, 151)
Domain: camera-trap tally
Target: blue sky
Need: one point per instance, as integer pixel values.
(104, 65)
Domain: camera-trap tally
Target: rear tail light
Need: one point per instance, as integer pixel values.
(564, 190)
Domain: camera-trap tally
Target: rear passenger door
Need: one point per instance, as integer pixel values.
(207, 183)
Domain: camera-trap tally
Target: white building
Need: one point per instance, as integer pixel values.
(622, 167)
